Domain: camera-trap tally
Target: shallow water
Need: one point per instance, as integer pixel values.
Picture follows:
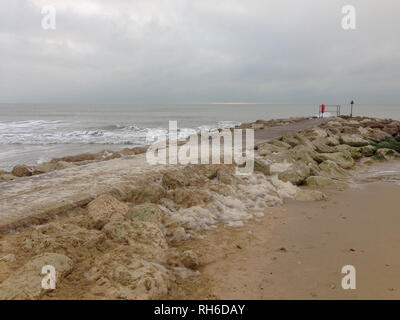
(378, 172)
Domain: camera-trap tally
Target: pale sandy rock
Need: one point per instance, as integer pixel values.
(262, 166)
(280, 144)
(225, 174)
(7, 177)
(367, 151)
(145, 212)
(105, 209)
(343, 159)
(26, 282)
(257, 126)
(174, 179)
(65, 238)
(352, 123)
(387, 154)
(279, 167)
(310, 195)
(377, 135)
(123, 275)
(147, 193)
(331, 169)
(145, 238)
(296, 174)
(44, 168)
(188, 197)
(319, 181)
(391, 130)
(332, 140)
(321, 146)
(268, 148)
(319, 132)
(190, 259)
(353, 140)
(334, 123)
(295, 139)
(8, 257)
(314, 169)
(177, 234)
(354, 152)
(60, 165)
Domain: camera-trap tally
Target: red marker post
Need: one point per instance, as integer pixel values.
(322, 110)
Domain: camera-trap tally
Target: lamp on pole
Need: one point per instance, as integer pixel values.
(351, 112)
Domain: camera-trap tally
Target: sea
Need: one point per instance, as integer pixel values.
(35, 133)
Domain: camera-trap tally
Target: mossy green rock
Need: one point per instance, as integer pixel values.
(145, 212)
(387, 154)
(353, 140)
(331, 169)
(320, 182)
(354, 151)
(343, 159)
(367, 151)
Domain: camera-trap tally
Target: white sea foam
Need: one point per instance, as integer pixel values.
(42, 132)
(247, 201)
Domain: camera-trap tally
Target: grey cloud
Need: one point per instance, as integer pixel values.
(199, 51)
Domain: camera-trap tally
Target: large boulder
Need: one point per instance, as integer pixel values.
(174, 179)
(262, 166)
(322, 147)
(334, 124)
(267, 148)
(147, 193)
(310, 195)
(64, 238)
(22, 171)
(353, 151)
(367, 151)
(353, 140)
(122, 274)
(332, 140)
(61, 165)
(295, 139)
(188, 197)
(190, 259)
(321, 182)
(301, 152)
(26, 282)
(280, 144)
(296, 174)
(387, 154)
(7, 177)
(105, 209)
(143, 237)
(329, 168)
(343, 159)
(44, 168)
(145, 212)
(377, 135)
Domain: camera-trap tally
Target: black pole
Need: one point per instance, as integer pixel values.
(351, 112)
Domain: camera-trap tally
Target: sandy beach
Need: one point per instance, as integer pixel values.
(297, 251)
(116, 227)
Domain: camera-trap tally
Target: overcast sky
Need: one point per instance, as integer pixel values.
(189, 51)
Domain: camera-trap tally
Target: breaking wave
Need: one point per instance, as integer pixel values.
(43, 132)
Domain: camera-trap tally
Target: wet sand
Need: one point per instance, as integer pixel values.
(298, 251)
